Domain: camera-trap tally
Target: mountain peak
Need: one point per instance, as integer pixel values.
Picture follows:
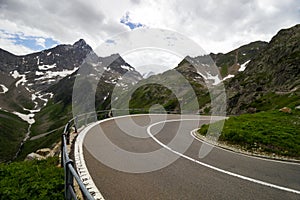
(80, 42)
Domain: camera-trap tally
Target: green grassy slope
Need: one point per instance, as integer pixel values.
(51, 117)
(32, 180)
(12, 132)
(270, 131)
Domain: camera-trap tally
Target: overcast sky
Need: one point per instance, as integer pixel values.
(216, 25)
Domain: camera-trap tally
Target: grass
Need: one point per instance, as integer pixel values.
(32, 180)
(272, 101)
(53, 116)
(44, 142)
(270, 131)
(12, 132)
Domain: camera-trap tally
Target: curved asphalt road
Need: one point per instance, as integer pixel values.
(219, 175)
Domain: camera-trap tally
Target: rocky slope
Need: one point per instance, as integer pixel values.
(24, 81)
(235, 61)
(272, 79)
(229, 65)
(27, 77)
(258, 76)
(38, 87)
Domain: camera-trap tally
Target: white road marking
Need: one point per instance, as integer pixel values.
(215, 168)
(80, 162)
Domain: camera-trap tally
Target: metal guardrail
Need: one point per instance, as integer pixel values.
(68, 164)
(70, 172)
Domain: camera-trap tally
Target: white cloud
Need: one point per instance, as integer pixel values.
(152, 60)
(10, 46)
(217, 25)
(40, 42)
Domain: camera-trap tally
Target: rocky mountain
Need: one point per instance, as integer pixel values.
(236, 61)
(198, 72)
(38, 87)
(23, 84)
(27, 77)
(272, 79)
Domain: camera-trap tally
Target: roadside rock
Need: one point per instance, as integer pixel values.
(44, 153)
(251, 110)
(285, 110)
(34, 156)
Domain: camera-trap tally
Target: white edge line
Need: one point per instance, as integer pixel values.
(81, 166)
(215, 168)
(79, 158)
(242, 154)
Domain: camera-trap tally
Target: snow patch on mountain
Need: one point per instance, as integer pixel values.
(38, 73)
(44, 97)
(4, 89)
(26, 117)
(46, 67)
(29, 118)
(216, 80)
(15, 74)
(228, 76)
(32, 111)
(51, 74)
(127, 68)
(243, 66)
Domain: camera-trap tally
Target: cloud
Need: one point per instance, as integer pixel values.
(216, 25)
(127, 21)
(220, 25)
(136, 1)
(14, 48)
(19, 43)
(40, 42)
(109, 41)
(144, 63)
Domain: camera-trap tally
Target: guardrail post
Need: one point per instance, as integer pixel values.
(96, 118)
(85, 120)
(69, 180)
(68, 134)
(75, 124)
(62, 150)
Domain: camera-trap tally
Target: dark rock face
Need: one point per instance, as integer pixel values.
(231, 62)
(200, 78)
(31, 76)
(58, 59)
(276, 70)
(104, 73)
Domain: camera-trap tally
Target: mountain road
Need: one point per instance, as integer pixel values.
(156, 157)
